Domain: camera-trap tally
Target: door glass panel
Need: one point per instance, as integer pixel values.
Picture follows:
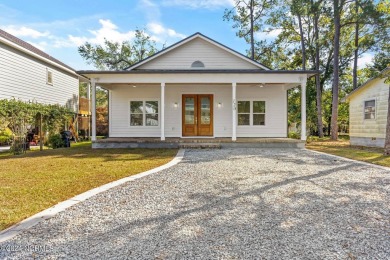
(189, 118)
(205, 111)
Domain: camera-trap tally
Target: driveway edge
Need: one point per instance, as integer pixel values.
(26, 224)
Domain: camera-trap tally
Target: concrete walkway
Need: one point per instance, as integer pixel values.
(227, 204)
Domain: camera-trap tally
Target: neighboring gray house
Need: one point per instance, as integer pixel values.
(368, 106)
(29, 74)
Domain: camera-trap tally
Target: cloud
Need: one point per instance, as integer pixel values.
(107, 31)
(160, 34)
(150, 9)
(200, 4)
(23, 31)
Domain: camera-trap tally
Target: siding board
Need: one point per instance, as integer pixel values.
(24, 77)
(361, 128)
(212, 56)
(276, 105)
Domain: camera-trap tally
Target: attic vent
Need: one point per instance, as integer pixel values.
(197, 64)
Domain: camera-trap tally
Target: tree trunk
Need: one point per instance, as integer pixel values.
(302, 41)
(320, 125)
(252, 7)
(335, 87)
(387, 140)
(356, 51)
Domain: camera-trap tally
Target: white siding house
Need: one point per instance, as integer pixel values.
(198, 88)
(368, 106)
(28, 74)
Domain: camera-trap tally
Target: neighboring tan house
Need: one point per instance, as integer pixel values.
(368, 106)
(198, 88)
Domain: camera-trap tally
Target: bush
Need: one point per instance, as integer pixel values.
(55, 141)
(294, 135)
(5, 136)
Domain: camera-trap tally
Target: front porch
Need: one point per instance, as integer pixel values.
(176, 142)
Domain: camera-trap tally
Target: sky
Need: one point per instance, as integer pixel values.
(58, 27)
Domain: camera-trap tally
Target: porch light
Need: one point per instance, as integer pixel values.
(261, 85)
(175, 105)
(219, 104)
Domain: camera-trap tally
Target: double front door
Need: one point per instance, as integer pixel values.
(197, 115)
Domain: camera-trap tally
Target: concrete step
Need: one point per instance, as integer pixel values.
(200, 145)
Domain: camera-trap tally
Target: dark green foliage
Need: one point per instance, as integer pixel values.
(55, 141)
(118, 56)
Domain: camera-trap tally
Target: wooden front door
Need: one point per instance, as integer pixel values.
(197, 119)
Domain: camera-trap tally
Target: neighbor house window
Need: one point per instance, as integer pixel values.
(251, 113)
(49, 77)
(144, 113)
(369, 109)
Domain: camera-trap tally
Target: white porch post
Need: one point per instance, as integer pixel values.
(303, 109)
(234, 109)
(162, 117)
(89, 109)
(93, 101)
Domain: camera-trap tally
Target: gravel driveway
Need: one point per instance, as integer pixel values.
(227, 204)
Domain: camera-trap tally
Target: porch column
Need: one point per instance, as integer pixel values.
(234, 109)
(89, 109)
(93, 101)
(162, 117)
(303, 108)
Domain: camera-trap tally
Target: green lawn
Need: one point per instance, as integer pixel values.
(344, 149)
(37, 180)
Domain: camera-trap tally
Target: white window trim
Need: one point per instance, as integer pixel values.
(364, 106)
(251, 112)
(144, 113)
(47, 77)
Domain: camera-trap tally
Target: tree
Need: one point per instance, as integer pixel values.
(337, 9)
(248, 17)
(118, 56)
(387, 138)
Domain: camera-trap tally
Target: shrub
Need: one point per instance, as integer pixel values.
(294, 135)
(5, 136)
(55, 141)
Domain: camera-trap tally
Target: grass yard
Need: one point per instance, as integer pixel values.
(35, 181)
(344, 149)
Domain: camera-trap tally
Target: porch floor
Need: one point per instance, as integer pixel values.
(176, 142)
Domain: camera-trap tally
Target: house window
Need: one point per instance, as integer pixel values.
(49, 77)
(144, 113)
(251, 113)
(369, 109)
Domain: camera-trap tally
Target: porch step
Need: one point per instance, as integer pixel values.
(200, 145)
